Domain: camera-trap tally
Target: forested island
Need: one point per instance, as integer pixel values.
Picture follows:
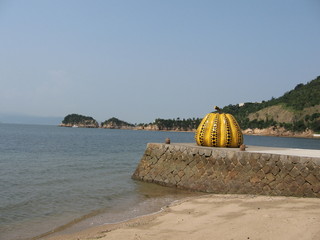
(115, 123)
(296, 113)
(77, 120)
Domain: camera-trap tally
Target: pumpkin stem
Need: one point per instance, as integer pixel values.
(217, 108)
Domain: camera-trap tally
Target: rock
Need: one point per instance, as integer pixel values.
(243, 147)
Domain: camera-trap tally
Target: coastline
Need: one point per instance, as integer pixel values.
(271, 131)
(263, 132)
(156, 199)
(217, 216)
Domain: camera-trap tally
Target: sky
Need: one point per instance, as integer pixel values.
(139, 60)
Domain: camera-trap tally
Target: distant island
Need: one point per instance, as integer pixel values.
(296, 113)
(115, 123)
(76, 120)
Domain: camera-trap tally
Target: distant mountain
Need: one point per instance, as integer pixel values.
(25, 119)
(297, 110)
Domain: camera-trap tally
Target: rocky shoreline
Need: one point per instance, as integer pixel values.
(271, 131)
(91, 125)
(278, 132)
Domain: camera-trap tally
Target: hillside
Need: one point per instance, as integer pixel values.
(296, 113)
(297, 110)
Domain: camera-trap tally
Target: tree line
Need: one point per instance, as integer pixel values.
(177, 124)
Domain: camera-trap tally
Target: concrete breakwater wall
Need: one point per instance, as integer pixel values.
(258, 170)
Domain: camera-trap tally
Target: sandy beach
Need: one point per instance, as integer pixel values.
(218, 217)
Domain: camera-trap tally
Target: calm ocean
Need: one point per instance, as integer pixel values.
(75, 178)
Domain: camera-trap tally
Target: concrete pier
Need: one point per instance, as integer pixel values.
(258, 170)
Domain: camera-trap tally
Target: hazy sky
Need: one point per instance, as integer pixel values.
(144, 59)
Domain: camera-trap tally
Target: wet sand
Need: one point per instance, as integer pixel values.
(218, 217)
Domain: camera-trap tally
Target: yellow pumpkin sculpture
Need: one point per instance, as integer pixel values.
(219, 130)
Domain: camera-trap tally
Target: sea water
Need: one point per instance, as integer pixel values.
(66, 179)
